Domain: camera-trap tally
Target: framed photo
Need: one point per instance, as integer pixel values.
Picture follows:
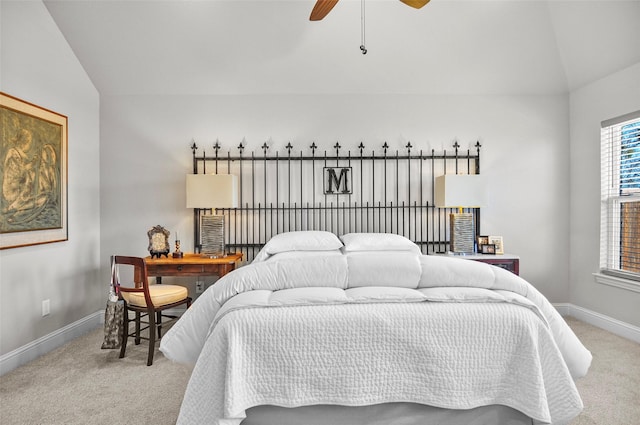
(158, 241)
(497, 241)
(483, 240)
(488, 248)
(33, 174)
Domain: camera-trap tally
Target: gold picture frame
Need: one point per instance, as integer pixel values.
(497, 241)
(33, 174)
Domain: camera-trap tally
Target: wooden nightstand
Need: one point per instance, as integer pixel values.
(505, 261)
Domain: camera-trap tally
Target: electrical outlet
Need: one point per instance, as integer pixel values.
(199, 287)
(46, 307)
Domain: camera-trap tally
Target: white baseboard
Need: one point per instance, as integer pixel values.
(601, 321)
(43, 345)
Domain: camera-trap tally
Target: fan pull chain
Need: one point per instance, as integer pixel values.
(363, 49)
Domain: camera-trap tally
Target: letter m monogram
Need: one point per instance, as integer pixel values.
(337, 181)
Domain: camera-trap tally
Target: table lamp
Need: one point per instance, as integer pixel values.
(460, 191)
(211, 191)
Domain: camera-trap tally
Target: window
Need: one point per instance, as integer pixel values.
(620, 197)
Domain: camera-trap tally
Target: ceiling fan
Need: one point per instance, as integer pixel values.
(323, 7)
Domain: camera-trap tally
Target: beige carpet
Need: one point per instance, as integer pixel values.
(611, 390)
(81, 384)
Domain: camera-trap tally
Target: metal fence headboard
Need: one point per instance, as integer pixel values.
(388, 192)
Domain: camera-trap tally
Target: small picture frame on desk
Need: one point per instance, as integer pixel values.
(497, 241)
(487, 248)
(158, 241)
(483, 240)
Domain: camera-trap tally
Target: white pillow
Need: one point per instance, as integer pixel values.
(307, 240)
(377, 242)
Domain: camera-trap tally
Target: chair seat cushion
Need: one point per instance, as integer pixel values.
(160, 295)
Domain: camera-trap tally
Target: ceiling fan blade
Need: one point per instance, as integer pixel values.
(321, 9)
(415, 3)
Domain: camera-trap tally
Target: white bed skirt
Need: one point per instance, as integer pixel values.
(384, 414)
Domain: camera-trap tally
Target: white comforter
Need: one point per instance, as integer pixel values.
(366, 328)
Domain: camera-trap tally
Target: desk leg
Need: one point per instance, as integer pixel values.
(158, 280)
(224, 269)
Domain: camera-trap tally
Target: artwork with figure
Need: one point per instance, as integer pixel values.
(32, 171)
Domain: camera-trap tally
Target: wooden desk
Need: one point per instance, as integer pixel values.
(191, 265)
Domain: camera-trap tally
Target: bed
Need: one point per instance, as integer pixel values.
(366, 329)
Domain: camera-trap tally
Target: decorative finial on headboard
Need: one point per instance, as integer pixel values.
(313, 148)
(478, 145)
(385, 147)
(337, 147)
(241, 146)
(409, 146)
(216, 147)
(361, 147)
(289, 147)
(264, 148)
(456, 145)
(194, 147)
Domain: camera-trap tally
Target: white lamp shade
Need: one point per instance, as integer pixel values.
(460, 191)
(212, 191)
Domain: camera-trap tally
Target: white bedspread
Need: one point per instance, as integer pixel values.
(348, 330)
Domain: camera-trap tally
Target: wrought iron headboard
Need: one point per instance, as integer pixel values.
(384, 192)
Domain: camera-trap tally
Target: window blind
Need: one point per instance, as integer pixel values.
(620, 197)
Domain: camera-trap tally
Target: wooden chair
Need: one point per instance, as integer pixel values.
(147, 301)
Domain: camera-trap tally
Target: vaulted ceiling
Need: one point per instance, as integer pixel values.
(270, 47)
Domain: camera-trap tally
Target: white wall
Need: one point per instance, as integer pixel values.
(38, 66)
(140, 145)
(609, 97)
(145, 155)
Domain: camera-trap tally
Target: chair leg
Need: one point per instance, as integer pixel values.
(137, 340)
(152, 337)
(125, 332)
(159, 323)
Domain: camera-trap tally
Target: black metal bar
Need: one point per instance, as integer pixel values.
(301, 196)
(406, 213)
(385, 146)
(397, 196)
(277, 193)
(337, 158)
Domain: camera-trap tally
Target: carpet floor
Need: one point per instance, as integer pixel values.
(81, 384)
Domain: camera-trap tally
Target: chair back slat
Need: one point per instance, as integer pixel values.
(139, 276)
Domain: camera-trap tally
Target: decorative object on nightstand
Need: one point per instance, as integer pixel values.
(490, 245)
(487, 249)
(497, 241)
(460, 191)
(211, 191)
(158, 241)
(177, 253)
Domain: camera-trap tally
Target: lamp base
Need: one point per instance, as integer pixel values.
(212, 234)
(461, 233)
(213, 255)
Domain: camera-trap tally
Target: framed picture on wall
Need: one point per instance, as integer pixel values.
(497, 241)
(33, 154)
